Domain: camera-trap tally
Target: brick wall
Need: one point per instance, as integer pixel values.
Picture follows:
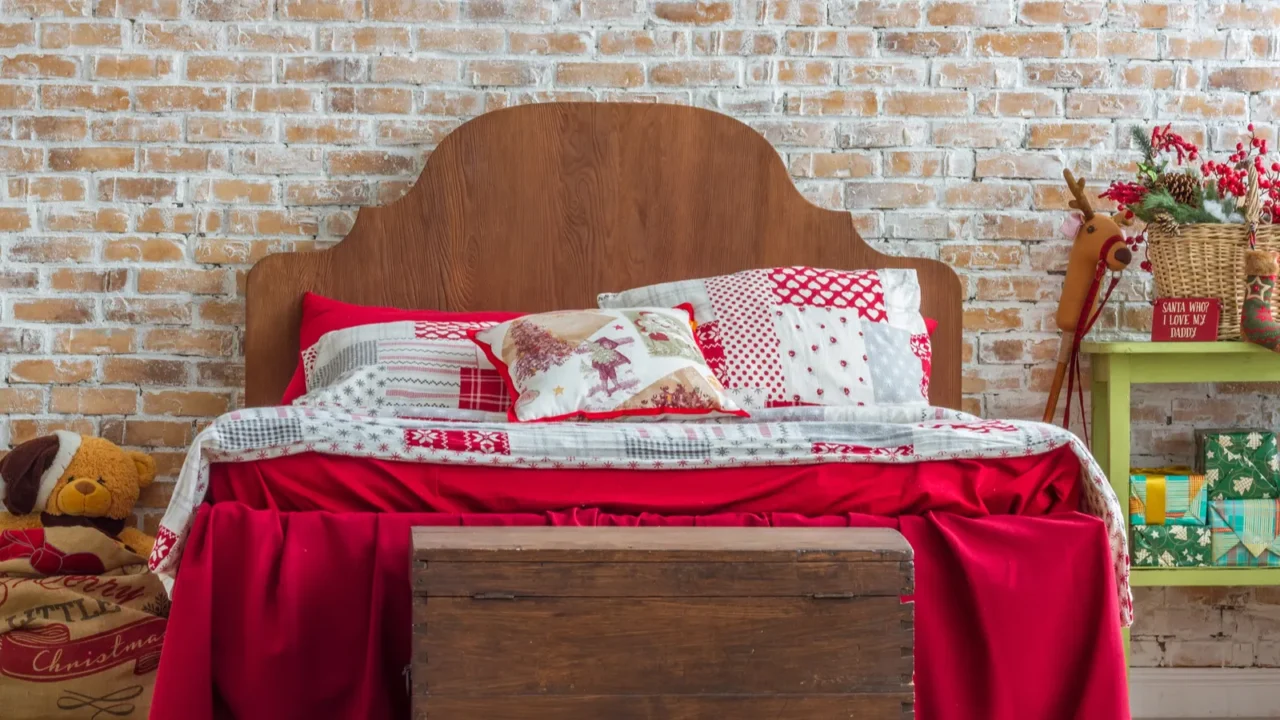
(153, 149)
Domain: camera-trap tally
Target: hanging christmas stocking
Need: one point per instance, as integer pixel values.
(1256, 322)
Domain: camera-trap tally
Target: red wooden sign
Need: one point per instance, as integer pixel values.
(1185, 320)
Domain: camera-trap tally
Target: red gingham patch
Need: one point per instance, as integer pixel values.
(482, 389)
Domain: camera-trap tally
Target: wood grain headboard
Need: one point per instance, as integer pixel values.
(541, 207)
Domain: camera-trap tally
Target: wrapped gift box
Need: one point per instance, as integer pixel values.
(1168, 496)
(1170, 546)
(1239, 464)
(1244, 533)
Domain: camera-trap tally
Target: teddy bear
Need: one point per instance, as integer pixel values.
(68, 479)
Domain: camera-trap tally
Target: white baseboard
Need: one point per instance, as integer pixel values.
(1204, 692)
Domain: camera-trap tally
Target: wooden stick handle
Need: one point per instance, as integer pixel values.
(1051, 407)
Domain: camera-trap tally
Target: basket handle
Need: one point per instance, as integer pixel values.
(1253, 207)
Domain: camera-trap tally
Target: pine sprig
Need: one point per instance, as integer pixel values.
(1144, 143)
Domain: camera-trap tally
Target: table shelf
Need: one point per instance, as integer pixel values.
(1115, 367)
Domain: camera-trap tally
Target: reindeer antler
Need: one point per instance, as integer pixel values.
(1081, 202)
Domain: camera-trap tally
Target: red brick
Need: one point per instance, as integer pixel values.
(277, 160)
(14, 219)
(694, 12)
(694, 73)
(93, 401)
(1018, 164)
(164, 98)
(1024, 288)
(914, 163)
(137, 129)
(892, 73)
(173, 36)
(970, 13)
(17, 97)
(67, 35)
(190, 341)
(23, 430)
(1245, 79)
(524, 11)
(268, 38)
(323, 10)
(887, 194)
(75, 280)
(797, 12)
(927, 103)
(642, 42)
(174, 280)
(460, 40)
(21, 340)
(130, 67)
(273, 222)
(85, 220)
(414, 11)
(101, 98)
(843, 103)
(1069, 135)
(833, 165)
(324, 131)
(230, 190)
(142, 250)
(147, 311)
(236, 130)
(94, 341)
(21, 159)
(19, 279)
(156, 433)
(1018, 44)
(369, 162)
(599, 74)
(1204, 106)
(167, 220)
(184, 403)
(213, 68)
(1108, 105)
(1019, 104)
(1068, 74)
(38, 66)
(144, 371)
(1055, 12)
(876, 13)
(322, 69)
(276, 100)
(49, 8)
(989, 257)
(503, 73)
(92, 158)
(50, 249)
(69, 311)
(22, 400)
(987, 195)
(221, 10)
(549, 43)
(55, 371)
(923, 43)
(365, 39)
(134, 9)
(328, 192)
(422, 71)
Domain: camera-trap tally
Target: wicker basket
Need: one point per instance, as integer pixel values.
(1207, 261)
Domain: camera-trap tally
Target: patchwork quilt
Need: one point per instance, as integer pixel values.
(771, 437)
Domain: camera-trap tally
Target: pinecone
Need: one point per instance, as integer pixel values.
(1164, 224)
(1184, 187)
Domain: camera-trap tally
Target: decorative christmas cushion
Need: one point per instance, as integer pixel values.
(1239, 464)
(1244, 533)
(602, 364)
(1168, 496)
(1170, 546)
(321, 315)
(799, 335)
(403, 368)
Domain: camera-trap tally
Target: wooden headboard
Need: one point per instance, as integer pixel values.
(541, 207)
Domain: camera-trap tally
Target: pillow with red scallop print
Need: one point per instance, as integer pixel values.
(801, 335)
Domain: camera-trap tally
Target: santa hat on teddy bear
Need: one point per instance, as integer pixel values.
(30, 471)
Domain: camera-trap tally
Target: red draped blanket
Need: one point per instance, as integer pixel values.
(300, 608)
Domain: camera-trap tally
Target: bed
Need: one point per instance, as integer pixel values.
(286, 541)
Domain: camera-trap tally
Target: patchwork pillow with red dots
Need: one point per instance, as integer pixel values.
(805, 336)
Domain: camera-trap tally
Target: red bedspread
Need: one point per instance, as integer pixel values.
(282, 613)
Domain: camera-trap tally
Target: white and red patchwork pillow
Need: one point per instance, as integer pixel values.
(799, 335)
(604, 364)
(425, 365)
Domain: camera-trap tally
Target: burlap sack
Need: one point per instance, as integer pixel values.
(80, 630)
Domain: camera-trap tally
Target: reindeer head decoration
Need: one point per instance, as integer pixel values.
(1093, 243)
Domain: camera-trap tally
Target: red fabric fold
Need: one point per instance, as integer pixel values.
(307, 614)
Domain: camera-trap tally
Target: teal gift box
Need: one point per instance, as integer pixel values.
(1168, 496)
(1239, 464)
(1244, 533)
(1170, 546)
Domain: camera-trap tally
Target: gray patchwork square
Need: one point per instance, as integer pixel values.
(896, 372)
(349, 358)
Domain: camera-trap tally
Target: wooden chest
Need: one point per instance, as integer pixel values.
(671, 623)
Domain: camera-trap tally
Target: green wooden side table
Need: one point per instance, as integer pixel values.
(1116, 367)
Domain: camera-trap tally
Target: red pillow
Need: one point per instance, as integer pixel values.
(321, 315)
